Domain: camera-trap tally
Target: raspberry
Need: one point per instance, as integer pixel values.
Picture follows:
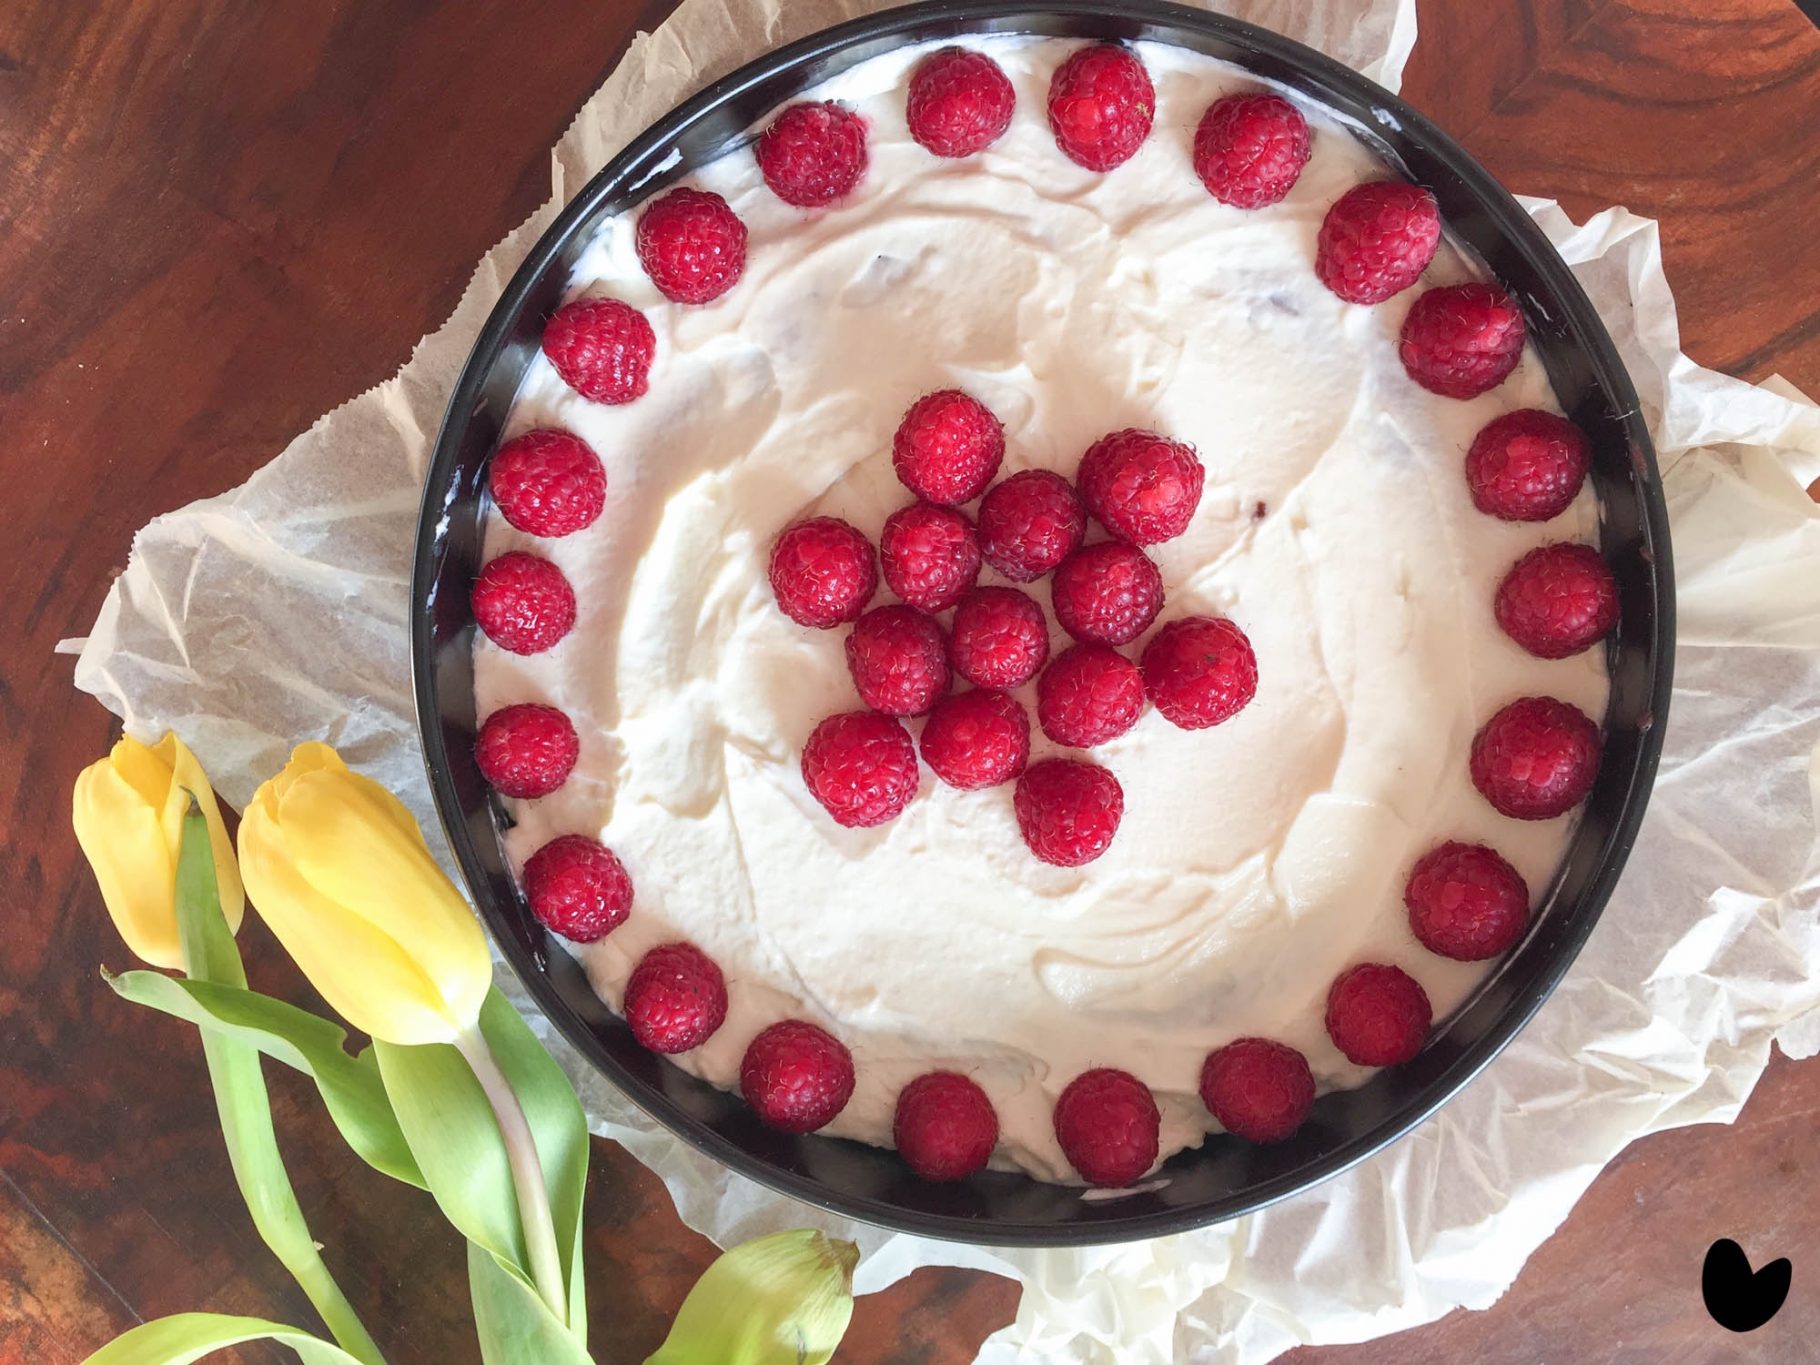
(577, 888)
(813, 154)
(675, 998)
(1249, 150)
(1376, 240)
(1199, 670)
(1461, 340)
(526, 751)
(1465, 902)
(523, 603)
(1107, 1123)
(931, 555)
(1108, 593)
(1536, 758)
(977, 739)
(999, 638)
(1258, 1090)
(1558, 600)
(796, 1076)
(1377, 1015)
(945, 1128)
(547, 483)
(691, 245)
(602, 348)
(1101, 104)
(948, 447)
(1090, 694)
(1030, 523)
(899, 660)
(1527, 465)
(960, 102)
(1140, 486)
(1067, 810)
(823, 572)
(861, 766)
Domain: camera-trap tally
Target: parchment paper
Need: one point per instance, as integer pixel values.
(277, 611)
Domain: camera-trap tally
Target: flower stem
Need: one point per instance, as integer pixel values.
(527, 1172)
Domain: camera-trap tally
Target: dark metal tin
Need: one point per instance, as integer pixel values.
(1225, 1177)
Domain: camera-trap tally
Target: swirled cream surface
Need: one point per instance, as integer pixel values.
(1256, 860)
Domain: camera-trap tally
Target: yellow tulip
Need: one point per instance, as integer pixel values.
(128, 810)
(339, 869)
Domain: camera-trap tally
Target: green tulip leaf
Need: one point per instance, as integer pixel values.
(351, 1089)
(455, 1139)
(512, 1323)
(561, 1132)
(185, 1337)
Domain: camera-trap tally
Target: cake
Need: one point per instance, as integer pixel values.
(1264, 676)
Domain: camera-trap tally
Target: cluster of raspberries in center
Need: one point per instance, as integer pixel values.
(1142, 488)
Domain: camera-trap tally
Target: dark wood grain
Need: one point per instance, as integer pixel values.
(219, 220)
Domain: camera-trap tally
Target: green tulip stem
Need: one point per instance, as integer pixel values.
(241, 1101)
(527, 1171)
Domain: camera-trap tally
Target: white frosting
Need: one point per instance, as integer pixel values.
(1256, 860)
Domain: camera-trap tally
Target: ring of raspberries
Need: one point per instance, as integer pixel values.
(1535, 759)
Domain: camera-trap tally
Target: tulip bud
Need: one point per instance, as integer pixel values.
(128, 810)
(337, 867)
(785, 1299)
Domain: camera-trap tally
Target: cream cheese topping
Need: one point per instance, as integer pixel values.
(1256, 860)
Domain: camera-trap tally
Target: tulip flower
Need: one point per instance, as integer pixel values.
(128, 811)
(339, 869)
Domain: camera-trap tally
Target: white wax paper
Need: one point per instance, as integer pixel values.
(277, 612)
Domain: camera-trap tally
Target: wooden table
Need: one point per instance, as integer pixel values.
(219, 220)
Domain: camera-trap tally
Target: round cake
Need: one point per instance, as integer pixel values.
(1039, 609)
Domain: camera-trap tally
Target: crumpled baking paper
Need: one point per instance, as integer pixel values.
(277, 612)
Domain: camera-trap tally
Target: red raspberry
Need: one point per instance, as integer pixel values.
(823, 572)
(1376, 240)
(547, 483)
(977, 739)
(1465, 902)
(999, 638)
(602, 348)
(1030, 523)
(899, 660)
(813, 154)
(1140, 486)
(1068, 811)
(1536, 758)
(931, 555)
(1107, 1123)
(945, 1127)
(1101, 105)
(861, 766)
(1527, 465)
(1378, 1015)
(1199, 670)
(691, 245)
(578, 888)
(1090, 694)
(523, 603)
(948, 447)
(1258, 1090)
(796, 1076)
(1558, 600)
(1250, 149)
(526, 751)
(960, 102)
(675, 998)
(1461, 340)
(1108, 593)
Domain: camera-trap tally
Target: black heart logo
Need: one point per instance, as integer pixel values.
(1739, 1299)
